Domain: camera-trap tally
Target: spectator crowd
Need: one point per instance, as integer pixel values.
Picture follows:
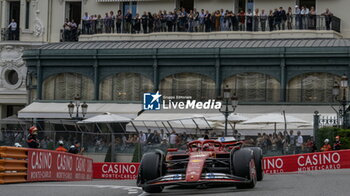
(284, 143)
(202, 20)
(271, 144)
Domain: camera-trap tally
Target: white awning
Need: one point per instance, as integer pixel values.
(99, 1)
(60, 110)
(106, 118)
(179, 119)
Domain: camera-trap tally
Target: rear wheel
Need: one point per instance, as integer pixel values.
(243, 165)
(151, 167)
(258, 157)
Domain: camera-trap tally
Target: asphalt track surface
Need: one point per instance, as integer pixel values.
(318, 183)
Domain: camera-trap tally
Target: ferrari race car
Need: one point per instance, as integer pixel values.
(205, 162)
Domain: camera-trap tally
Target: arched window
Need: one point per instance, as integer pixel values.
(254, 87)
(125, 87)
(65, 86)
(312, 87)
(196, 86)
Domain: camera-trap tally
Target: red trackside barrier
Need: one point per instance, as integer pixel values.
(272, 165)
(46, 165)
(120, 171)
(307, 162)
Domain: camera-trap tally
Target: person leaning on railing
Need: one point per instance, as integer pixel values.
(271, 19)
(74, 31)
(118, 21)
(312, 19)
(256, 19)
(282, 14)
(137, 24)
(66, 30)
(99, 24)
(128, 20)
(289, 18)
(12, 30)
(111, 21)
(106, 23)
(86, 23)
(328, 18)
(263, 19)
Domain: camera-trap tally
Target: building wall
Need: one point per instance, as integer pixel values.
(155, 6)
(272, 4)
(213, 5)
(94, 7)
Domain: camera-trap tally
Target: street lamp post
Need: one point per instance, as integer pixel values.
(76, 105)
(343, 101)
(227, 98)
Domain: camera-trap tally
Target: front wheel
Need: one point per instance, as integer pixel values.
(258, 158)
(243, 165)
(150, 169)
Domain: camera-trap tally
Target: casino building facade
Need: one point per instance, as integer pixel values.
(293, 71)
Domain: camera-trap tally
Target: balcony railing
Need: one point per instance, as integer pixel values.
(6, 34)
(235, 23)
(69, 35)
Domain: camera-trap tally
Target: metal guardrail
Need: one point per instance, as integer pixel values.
(69, 35)
(235, 23)
(329, 121)
(5, 35)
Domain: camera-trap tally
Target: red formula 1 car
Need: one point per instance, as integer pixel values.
(204, 162)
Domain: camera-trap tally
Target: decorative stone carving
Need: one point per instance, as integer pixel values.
(35, 4)
(16, 83)
(11, 56)
(38, 27)
(11, 63)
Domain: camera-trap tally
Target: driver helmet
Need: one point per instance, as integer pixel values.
(33, 130)
(326, 141)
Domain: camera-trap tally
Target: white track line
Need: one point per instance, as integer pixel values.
(131, 189)
(74, 185)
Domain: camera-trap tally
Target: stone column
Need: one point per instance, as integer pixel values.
(217, 74)
(22, 17)
(155, 74)
(3, 15)
(39, 77)
(217, 77)
(96, 79)
(283, 85)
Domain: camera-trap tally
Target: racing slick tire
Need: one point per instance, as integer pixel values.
(151, 167)
(243, 165)
(258, 158)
